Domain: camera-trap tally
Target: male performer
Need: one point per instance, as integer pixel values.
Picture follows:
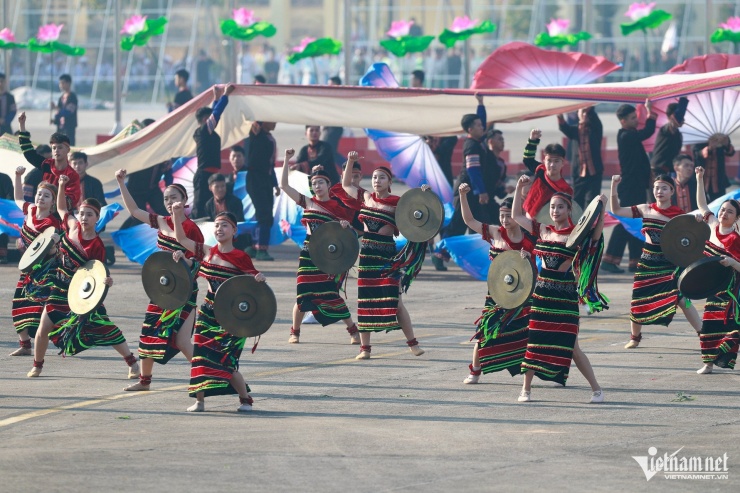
(261, 180)
(685, 180)
(7, 108)
(548, 176)
(317, 152)
(669, 140)
(55, 166)
(588, 135)
(183, 94)
(238, 160)
(66, 116)
(632, 190)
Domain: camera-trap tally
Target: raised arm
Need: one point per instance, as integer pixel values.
(467, 214)
(61, 196)
(347, 175)
(128, 200)
(517, 213)
(18, 187)
(614, 206)
(24, 139)
(649, 129)
(178, 216)
(294, 194)
(530, 150)
(219, 105)
(701, 196)
(569, 131)
(480, 110)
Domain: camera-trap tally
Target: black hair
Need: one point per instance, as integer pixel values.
(260, 78)
(238, 149)
(355, 166)
(202, 114)
(147, 121)
(667, 179)
(216, 177)
(492, 133)
(624, 111)
(309, 126)
(419, 74)
(568, 198)
(94, 203)
(58, 138)
(508, 202)
(555, 150)
(468, 121)
(680, 158)
(183, 74)
(65, 78)
(78, 155)
(228, 215)
(735, 205)
(671, 109)
(42, 149)
(336, 80)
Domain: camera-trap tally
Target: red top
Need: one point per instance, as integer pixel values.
(239, 259)
(72, 190)
(731, 242)
(94, 248)
(670, 212)
(50, 221)
(542, 191)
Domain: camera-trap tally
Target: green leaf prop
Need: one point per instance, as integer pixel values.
(650, 21)
(54, 46)
(317, 47)
(407, 44)
(153, 27)
(230, 28)
(560, 40)
(449, 38)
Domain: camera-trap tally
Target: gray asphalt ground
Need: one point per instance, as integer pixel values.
(323, 421)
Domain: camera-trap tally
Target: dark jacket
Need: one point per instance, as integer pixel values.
(595, 136)
(233, 205)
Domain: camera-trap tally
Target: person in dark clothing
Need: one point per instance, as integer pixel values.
(7, 108)
(66, 116)
(6, 192)
(35, 176)
(443, 147)
(261, 180)
(711, 156)
(417, 80)
(238, 160)
(55, 166)
(332, 135)
(685, 181)
(481, 172)
(223, 201)
(208, 147)
(183, 94)
(669, 141)
(317, 152)
(633, 189)
(587, 134)
(203, 67)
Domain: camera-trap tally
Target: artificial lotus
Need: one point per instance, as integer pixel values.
(401, 42)
(138, 30)
(462, 28)
(312, 47)
(47, 41)
(557, 35)
(643, 17)
(7, 40)
(244, 26)
(728, 31)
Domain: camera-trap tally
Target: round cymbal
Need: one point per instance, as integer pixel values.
(419, 215)
(245, 307)
(511, 279)
(87, 289)
(704, 278)
(37, 250)
(585, 223)
(167, 283)
(543, 217)
(333, 249)
(682, 240)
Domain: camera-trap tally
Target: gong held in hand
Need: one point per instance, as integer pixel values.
(245, 307)
(682, 240)
(37, 250)
(511, 279)
(87, 289)
(333, 249)
(704, 278)
(585, 223)
(167, 283)
(419, 215)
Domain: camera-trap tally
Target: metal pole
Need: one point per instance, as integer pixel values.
(6, 53)
(117, 68)
(708, 28)
(348, 43)
(466, 84)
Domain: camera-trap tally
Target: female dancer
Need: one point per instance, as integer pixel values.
(502, 334)
(69, 332)
(719, 334)
(655, 291)
(164, 332)
(379, 305)
(317, 292)
(33, 287)
(215, 362)
(554, 318)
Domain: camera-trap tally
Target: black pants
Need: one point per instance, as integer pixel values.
(585, 189)
(629, 194)
(201, 194)
(153, 197)
(262, 199)
(485, 213)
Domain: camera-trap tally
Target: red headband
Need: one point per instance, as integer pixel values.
(180, 189)
(91, 206)
(225, 217)
(386, 171)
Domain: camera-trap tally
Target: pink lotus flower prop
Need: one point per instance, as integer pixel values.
(728, 31)
(400, 28)
(243, 17)
(462, 28)
(139, 30)
(557, 35)
(401, 42)
(7, 40)
(644, 17)
(244, 26)
(46, 41)
(312, 47)
(134, 25)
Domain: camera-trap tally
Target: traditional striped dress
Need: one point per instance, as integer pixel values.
(655, 290)
(216, 352)
(318, 292)
(72, 333)
(553, 319)
(33, 287)
(502, 333)
(720, 328)
(377, 294)
(160, 327)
